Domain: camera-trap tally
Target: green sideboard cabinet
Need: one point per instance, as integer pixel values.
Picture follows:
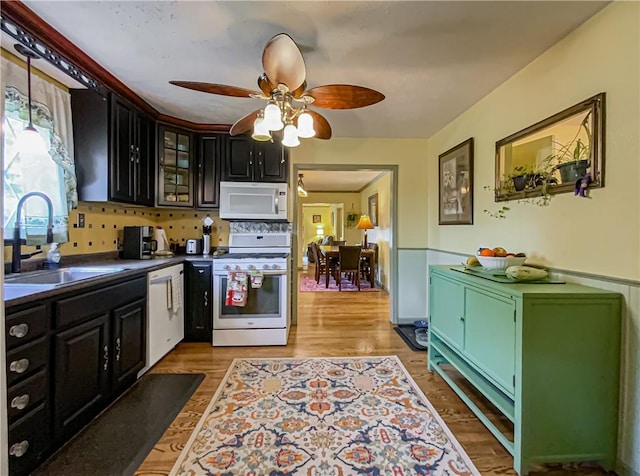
(546, 355)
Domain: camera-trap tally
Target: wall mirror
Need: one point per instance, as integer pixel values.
(553, 155)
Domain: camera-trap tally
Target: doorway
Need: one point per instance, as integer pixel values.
(378, 196)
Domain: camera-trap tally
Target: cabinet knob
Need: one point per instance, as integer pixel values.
(19, 366)
(19, 330)
(20, 402)
(462, 318)
(19, 449)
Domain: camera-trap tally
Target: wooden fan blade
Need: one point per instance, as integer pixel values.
(321, 125)
(343, 96)
(265, 85)
(212, 88)
(244, 124)
(297, 93)
(283, 63)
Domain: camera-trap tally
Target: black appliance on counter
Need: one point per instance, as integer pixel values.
(138, 242)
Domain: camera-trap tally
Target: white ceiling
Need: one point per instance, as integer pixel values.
(432, 60)
(338, 181)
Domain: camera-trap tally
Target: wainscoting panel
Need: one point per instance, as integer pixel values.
(412, 285)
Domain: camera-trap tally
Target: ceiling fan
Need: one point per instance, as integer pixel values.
(283, 84)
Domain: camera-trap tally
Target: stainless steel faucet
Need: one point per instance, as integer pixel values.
(16, 256)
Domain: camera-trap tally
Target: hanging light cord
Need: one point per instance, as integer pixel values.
(29, 88)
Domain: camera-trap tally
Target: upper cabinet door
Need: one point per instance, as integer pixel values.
(209, 161)
(175, 168)
(239, 160)
(272, 163)
(145, 170)
(123, 151)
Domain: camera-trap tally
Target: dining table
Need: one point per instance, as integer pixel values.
(333, 252)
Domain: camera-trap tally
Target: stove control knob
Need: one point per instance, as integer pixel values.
(265, 266)
(275, 266)
(238, 267)
(227, 267)
(251, 266)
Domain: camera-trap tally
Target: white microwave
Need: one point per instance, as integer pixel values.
(253, 201)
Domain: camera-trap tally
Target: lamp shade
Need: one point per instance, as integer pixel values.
(290, 138)
(365, 223)
(30, 142)
(272, 117)
(305, 126)
(260, 130)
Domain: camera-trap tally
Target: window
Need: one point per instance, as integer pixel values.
(51, 173)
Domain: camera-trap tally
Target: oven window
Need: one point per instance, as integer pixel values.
(261, 302)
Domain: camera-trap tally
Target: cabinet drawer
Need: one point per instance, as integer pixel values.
(26, 395)
(86, 305)
(26, 360)
(28, 441)
(26, 325)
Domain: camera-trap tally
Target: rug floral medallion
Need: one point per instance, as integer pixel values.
(321, 417)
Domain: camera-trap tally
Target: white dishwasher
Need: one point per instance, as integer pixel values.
(165, 312)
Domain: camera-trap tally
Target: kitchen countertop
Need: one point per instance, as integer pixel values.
(14, 296)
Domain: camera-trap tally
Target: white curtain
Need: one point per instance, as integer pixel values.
(52, 174)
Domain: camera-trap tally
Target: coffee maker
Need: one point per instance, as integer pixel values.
(138, 242)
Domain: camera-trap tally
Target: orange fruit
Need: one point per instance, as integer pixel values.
(486, 252)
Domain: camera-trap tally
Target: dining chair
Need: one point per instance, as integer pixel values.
(348, 262)
(321, 262)
(339, 243)
(365, 267)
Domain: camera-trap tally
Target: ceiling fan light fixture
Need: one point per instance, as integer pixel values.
(260, 130)
(290, 137)
(272, 117)
(305, 126)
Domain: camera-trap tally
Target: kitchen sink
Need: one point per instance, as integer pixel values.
(58, 276)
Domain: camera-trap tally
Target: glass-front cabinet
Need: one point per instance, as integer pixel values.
(175, 168)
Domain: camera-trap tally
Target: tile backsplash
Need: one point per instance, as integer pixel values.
(103, 220)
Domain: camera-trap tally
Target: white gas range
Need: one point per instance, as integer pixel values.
(261, 315)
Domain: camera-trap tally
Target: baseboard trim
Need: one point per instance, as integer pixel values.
(623, 470)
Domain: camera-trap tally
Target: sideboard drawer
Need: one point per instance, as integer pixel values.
(26, 360)
(26, 325)
(26, 395)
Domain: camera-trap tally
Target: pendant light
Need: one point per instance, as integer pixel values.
(301, 191)
(29, 142)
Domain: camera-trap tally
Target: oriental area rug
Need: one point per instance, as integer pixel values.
(308, 284)
(324, 417)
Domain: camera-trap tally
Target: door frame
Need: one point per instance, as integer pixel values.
(393, 247)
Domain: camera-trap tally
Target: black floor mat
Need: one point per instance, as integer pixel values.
(119, 439)
(408, 334)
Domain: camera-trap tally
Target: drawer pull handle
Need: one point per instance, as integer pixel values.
(118, 349)
(206, 299)
(20, 402)
(105, 366)
(19, 330)
(19, 366)
(19, 449)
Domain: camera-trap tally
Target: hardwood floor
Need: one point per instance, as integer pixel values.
(332, 324)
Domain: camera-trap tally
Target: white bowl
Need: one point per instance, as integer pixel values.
(496, 262)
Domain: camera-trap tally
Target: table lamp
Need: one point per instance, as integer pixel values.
(365, 224)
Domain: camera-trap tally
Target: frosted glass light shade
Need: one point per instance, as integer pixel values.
(305, 126)
(273, 118)
(260, 130)
(290, 138)
(30, 142)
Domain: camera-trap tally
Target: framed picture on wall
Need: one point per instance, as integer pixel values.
(455, 191)
(317, 218)
(373, 209)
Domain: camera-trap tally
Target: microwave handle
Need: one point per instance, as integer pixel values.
(275, 202)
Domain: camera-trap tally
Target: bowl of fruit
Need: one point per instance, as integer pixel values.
(499, 259)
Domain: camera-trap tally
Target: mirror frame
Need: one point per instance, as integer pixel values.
(596, 106)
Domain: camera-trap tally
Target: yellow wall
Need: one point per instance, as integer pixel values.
(381, 234)
(599, 235)
(412, 174)
(310, 228)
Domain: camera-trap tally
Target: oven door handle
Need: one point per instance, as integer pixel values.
(275, 272)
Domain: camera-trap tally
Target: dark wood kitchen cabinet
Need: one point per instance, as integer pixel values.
(28, 396)
(175, 167)
(247, 160)
(198, 321)
(114, 149)
(100, 341)
(210, 149)
(68, 357)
